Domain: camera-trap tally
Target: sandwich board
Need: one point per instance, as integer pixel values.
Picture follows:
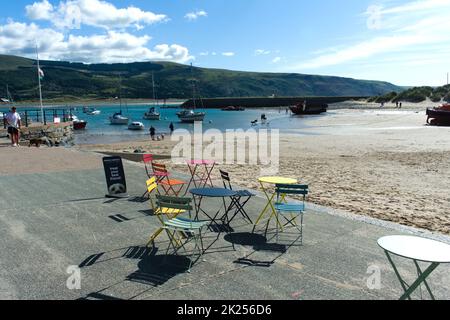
(115, 178)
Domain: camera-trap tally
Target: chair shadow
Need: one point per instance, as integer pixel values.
(138, 199)
(246, 239)
(134, 253)
(258, 243)
(156, 270)
(220, 228)
(120, 218)
(97, 296)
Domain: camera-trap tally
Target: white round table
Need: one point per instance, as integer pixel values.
(416, 249)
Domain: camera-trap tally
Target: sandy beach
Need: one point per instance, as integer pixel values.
(382, 163)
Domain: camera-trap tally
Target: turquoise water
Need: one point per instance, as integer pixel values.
(99, 129)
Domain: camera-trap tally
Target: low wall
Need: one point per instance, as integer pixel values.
(53, 135)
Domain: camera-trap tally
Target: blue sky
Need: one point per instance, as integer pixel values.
(403, 42)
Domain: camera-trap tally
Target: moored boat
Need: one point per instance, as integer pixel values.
(78, 124)
(439, 116)
(136, 126)
(190, 116)
(93, 112)
(309, 108)
(118, 119)
(152, 115)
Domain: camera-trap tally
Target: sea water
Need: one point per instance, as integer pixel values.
(99, 130)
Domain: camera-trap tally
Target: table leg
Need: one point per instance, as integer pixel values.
(419, 272)
(208, 176)
(421, 279)
(270, 199)
(192, 170)
(269, 204)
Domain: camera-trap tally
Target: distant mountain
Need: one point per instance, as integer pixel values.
(417, 94)
(95, 81)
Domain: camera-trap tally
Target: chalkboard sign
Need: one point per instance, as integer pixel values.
(115, 177)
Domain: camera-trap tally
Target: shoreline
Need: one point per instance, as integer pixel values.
(350, 104)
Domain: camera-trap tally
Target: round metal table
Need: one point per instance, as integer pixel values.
(419, 250)
(264, 181)
(200, 194)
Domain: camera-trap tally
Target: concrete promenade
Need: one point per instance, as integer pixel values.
(53, 215)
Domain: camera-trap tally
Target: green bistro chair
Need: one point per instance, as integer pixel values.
(290, 211)
(181, 230)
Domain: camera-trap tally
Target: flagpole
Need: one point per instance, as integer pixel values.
(40, 87)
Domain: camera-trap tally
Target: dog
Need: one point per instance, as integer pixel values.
(37, 142)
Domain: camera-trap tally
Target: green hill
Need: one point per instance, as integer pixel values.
(417, 94)
(65, 80)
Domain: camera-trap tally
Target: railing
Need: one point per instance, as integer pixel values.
(30, 116)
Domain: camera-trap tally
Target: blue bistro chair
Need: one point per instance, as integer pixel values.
(289, 212)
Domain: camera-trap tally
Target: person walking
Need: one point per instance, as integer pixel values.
(152, 132)
(13, 122)
(172, 128)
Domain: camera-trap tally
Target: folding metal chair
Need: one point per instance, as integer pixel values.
(159, 212)
(170, 186)
(288, 210)
(148, 159)
(240, 200)
(182, 230)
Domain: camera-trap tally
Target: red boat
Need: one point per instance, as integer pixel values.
(309, 108)
(78, 124)
(439, 116)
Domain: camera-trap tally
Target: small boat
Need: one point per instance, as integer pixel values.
(152, 115)
(118, 119)
(190, 116)
(233, 108)
(78, 124)
(93, 112)
(309, 108)
(136, 126)
(439, 116)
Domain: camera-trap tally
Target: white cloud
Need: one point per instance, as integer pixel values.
(191, 16)
(228, 54)
(276, 60)
(259, 52)
(204, 54)
(401, 30)
(19, 39)
(72, 14)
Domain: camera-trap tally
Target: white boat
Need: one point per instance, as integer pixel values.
(93, 112)
(190, 116)
(136, 126)
(118, 119)
(152, 115)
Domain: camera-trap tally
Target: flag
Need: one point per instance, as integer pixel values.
(41, 73)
